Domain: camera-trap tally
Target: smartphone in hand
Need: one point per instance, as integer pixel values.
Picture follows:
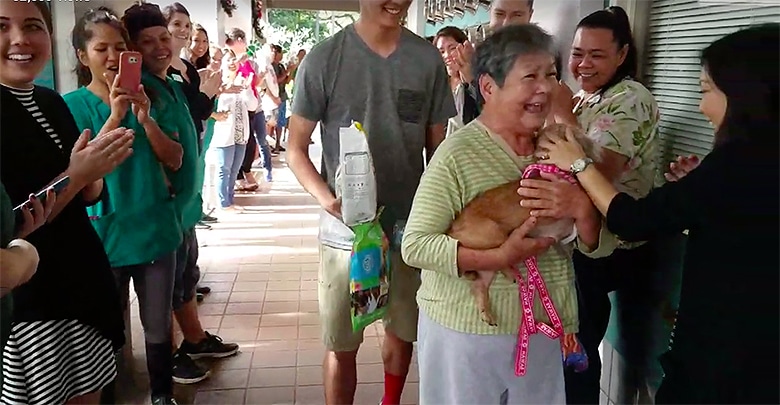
(57, 187)
(130, 70)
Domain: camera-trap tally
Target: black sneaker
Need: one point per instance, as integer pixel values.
(166, 400)
(211, 346)
(186, 371)
(203, 290)
(206, 218)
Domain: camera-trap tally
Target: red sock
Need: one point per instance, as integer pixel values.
(394, 386)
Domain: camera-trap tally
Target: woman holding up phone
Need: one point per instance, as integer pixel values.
(136, 218)
(58, 350)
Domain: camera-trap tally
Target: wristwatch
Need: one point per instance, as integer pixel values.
(580, 165)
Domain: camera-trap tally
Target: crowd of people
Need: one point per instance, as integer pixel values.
(127, 175)
(132, 165)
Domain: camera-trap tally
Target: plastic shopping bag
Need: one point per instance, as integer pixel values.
(369, 274)
(355, 180)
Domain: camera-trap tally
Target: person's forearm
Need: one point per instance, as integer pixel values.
(168, 151)
(589, 227)
(600, 190)
(13, 265)
(480, 260)
(91, 192)
(111, 124)
(304, 170)
(66, 195)
(434, 136)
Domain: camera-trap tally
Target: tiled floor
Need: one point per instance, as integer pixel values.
(262, 268)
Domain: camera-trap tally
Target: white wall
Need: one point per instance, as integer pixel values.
(205, 14)
(242, 18)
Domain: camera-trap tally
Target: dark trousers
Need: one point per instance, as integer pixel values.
(629, 273)
(251, 148)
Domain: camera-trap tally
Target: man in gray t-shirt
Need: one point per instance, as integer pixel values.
(395, 84)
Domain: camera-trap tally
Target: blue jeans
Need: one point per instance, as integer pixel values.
(229, 161)
(262, 141)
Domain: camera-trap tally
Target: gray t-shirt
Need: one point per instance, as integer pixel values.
(395, 99)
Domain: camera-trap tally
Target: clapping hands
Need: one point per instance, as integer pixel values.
(91, 160)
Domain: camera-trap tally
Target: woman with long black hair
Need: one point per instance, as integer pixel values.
(724, 346)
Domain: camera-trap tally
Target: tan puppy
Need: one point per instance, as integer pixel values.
(487, 221)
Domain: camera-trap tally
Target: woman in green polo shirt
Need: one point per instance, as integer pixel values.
(137, 217)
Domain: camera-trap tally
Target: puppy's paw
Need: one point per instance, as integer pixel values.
(488, 317)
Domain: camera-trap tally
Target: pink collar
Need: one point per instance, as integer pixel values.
(534, 169)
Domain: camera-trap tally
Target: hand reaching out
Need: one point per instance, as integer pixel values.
(560, 152)
(681, 167)
(554, 197)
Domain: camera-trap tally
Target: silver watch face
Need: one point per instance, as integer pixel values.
(580, 165)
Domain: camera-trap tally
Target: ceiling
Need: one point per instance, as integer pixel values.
(328, 5)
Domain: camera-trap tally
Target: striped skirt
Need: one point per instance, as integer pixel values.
(50, 362)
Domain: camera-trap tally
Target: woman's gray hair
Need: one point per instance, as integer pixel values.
(498, 53)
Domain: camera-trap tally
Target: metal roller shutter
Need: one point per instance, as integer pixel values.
(677, 32)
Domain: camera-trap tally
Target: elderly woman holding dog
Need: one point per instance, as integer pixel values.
(725, 346)
(462, 359)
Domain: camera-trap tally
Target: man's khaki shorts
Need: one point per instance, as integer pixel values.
(334, 299)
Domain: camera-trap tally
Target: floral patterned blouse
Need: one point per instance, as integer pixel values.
(625, 120)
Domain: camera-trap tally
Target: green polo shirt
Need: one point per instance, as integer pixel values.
(136, 217)
(173, 116)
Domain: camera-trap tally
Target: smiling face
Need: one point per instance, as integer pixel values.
(595, 57)
(525, 98)
(180, 28)
(229, 67)
(385, 13)
(509, 12)
(25, 44)
(713, 101)
(447, 46)
(200, 44)
(101, 53)
(154, 44)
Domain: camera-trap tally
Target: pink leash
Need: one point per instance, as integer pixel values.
(528, 325)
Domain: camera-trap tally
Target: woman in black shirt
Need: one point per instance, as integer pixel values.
(724, 346)
(58, 350)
